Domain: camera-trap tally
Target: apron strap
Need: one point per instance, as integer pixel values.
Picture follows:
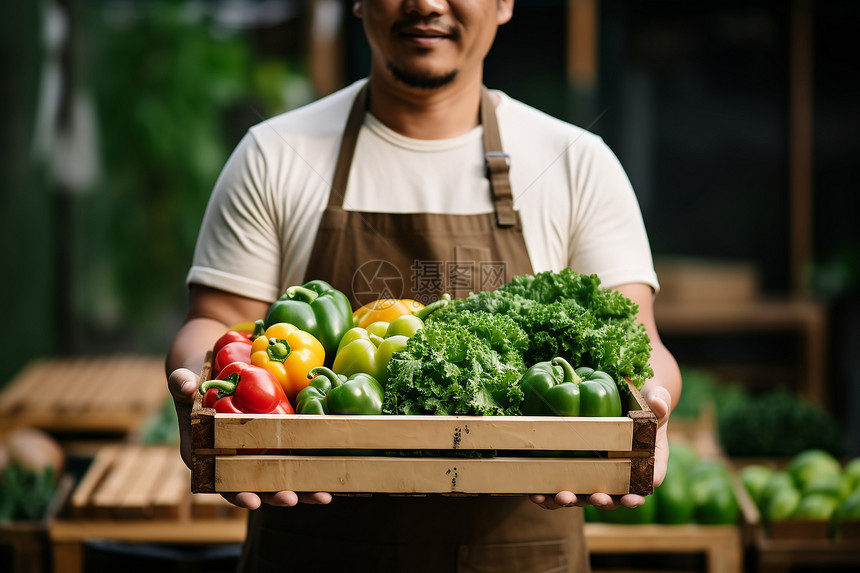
(347, 148)
(497, 162)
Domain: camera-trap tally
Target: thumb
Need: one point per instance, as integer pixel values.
(182, 384)
(660, 402)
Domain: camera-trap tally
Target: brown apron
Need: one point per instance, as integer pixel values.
(364, 255)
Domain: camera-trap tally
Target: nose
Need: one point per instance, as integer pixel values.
(425, 7)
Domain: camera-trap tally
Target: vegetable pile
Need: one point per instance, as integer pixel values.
(814, 486)
(453, 357)
(472, 353)
(695, 490)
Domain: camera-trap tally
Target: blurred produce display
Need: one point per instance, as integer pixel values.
(814, 486)
(758, 423)
(695, 490)
(30, 465)
(775, 423)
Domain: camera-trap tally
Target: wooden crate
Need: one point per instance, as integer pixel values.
(226, 454)
(128, 481)
(795, 543)
(106, 394)
(28, 540)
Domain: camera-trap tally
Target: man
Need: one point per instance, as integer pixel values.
(406, 167)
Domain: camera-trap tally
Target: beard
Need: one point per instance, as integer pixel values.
(422, 81)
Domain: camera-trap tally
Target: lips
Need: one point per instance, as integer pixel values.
(420, 32)
(424, 33)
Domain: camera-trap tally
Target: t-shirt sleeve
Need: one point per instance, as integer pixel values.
(609, 237)
(237, 248)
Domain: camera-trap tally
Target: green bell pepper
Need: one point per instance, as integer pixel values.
(315, 307)
(330, 393)
(555, 388)
(363, 352)
(599, 396)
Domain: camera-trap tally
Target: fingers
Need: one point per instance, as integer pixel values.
(248, 500)
(598, 500)
(291, 498)
(632, 500)
(612, 502)
(244, 500)
(557, 501)
(319, 498)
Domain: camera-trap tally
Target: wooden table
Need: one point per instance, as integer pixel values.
(140, 494)
(69, 536)
(721, 544)
(86, 394)
(782, 555)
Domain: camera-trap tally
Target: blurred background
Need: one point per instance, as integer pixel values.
(737, 121)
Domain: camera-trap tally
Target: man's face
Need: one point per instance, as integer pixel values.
(429, 43)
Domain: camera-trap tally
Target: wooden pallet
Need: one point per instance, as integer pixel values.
(222, 462)
(107, 394)
(140, 494)
(128, 481)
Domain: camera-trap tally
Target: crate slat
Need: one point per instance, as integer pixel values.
(129, 481)
(150, 469)
(237, 431)
(124, 476)
(420, 475)
(80, 500)
(170, 495)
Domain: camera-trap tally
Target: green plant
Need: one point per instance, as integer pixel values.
(167, 82)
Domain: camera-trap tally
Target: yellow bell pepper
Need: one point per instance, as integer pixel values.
(289, 354)
(384, 310)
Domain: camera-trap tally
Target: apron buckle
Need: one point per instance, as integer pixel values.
(497, 162)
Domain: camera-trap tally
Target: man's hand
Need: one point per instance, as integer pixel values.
(183, 385)
(660, 402)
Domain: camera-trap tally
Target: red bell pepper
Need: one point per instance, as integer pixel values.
(231, 336)
(236, 351)
(242, 388)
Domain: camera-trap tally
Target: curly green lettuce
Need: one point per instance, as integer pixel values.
(467, 366)
(470, 355)
(569, 314)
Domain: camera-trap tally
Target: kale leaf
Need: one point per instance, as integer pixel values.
(470, 366)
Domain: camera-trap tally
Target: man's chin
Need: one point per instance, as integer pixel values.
(421, 80)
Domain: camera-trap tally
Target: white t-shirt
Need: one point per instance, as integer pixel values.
(577, 206)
